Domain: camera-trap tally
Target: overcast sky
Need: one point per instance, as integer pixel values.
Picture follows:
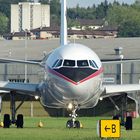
(73, 3)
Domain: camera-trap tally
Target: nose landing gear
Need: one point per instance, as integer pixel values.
(73, 123)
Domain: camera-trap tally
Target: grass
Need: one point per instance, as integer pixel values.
(54, 129)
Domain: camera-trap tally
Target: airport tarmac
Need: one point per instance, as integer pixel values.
(103, 47)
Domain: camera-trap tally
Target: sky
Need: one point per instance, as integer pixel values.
(85, 3)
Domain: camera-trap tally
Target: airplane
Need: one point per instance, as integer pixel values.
(73, 80)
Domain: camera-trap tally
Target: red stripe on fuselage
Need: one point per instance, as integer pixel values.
(71, 81)
(92, 75)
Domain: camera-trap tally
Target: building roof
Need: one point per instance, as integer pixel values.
(108, 28)
(88, 32)
(89, 22)
(21, 34)
(51, 28)
(101, 33)
(73, 32)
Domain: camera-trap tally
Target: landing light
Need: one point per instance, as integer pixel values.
(36, 97)
(70, 106)
(101, 98)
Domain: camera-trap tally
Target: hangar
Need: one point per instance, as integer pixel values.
(105, 49)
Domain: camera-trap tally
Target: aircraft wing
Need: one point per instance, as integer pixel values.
(4, 60)
(23, 88)
(111, 90)
(120, 61)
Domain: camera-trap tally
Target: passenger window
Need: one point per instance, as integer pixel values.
(82, 63)
(69, 63)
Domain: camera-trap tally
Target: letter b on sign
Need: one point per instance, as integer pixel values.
(113, 128)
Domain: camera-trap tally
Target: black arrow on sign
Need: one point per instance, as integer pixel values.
(106, 128)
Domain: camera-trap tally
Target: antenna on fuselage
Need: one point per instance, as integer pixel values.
(63, 35)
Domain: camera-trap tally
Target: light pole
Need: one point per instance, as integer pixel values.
(121, 69)
(25, 70)
(118, 52)
(25, 76)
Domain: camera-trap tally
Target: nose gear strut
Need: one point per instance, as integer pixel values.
(73, 123)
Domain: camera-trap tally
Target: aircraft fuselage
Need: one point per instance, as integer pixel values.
(76, 77)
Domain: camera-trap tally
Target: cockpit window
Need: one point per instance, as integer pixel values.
(69, 63)
(76, 70)
(72, 63)
(93, 64)
(57, 63)
(82, 63)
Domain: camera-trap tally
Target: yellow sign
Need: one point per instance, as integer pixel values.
(110, 128)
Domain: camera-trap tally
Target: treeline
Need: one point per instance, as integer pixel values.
(125, 17)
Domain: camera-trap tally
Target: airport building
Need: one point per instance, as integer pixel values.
(107, 49)
(27, 16)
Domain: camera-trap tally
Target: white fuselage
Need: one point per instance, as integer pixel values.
(73, 74)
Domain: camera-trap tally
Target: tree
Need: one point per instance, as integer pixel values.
(81, 12)
(117, 14)
(72, 22)
(3, 23)
(136, 5)
(5, 6)
(44, 1)
(5, 9)
(55, 7)
(129, 28)
(101, 10)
